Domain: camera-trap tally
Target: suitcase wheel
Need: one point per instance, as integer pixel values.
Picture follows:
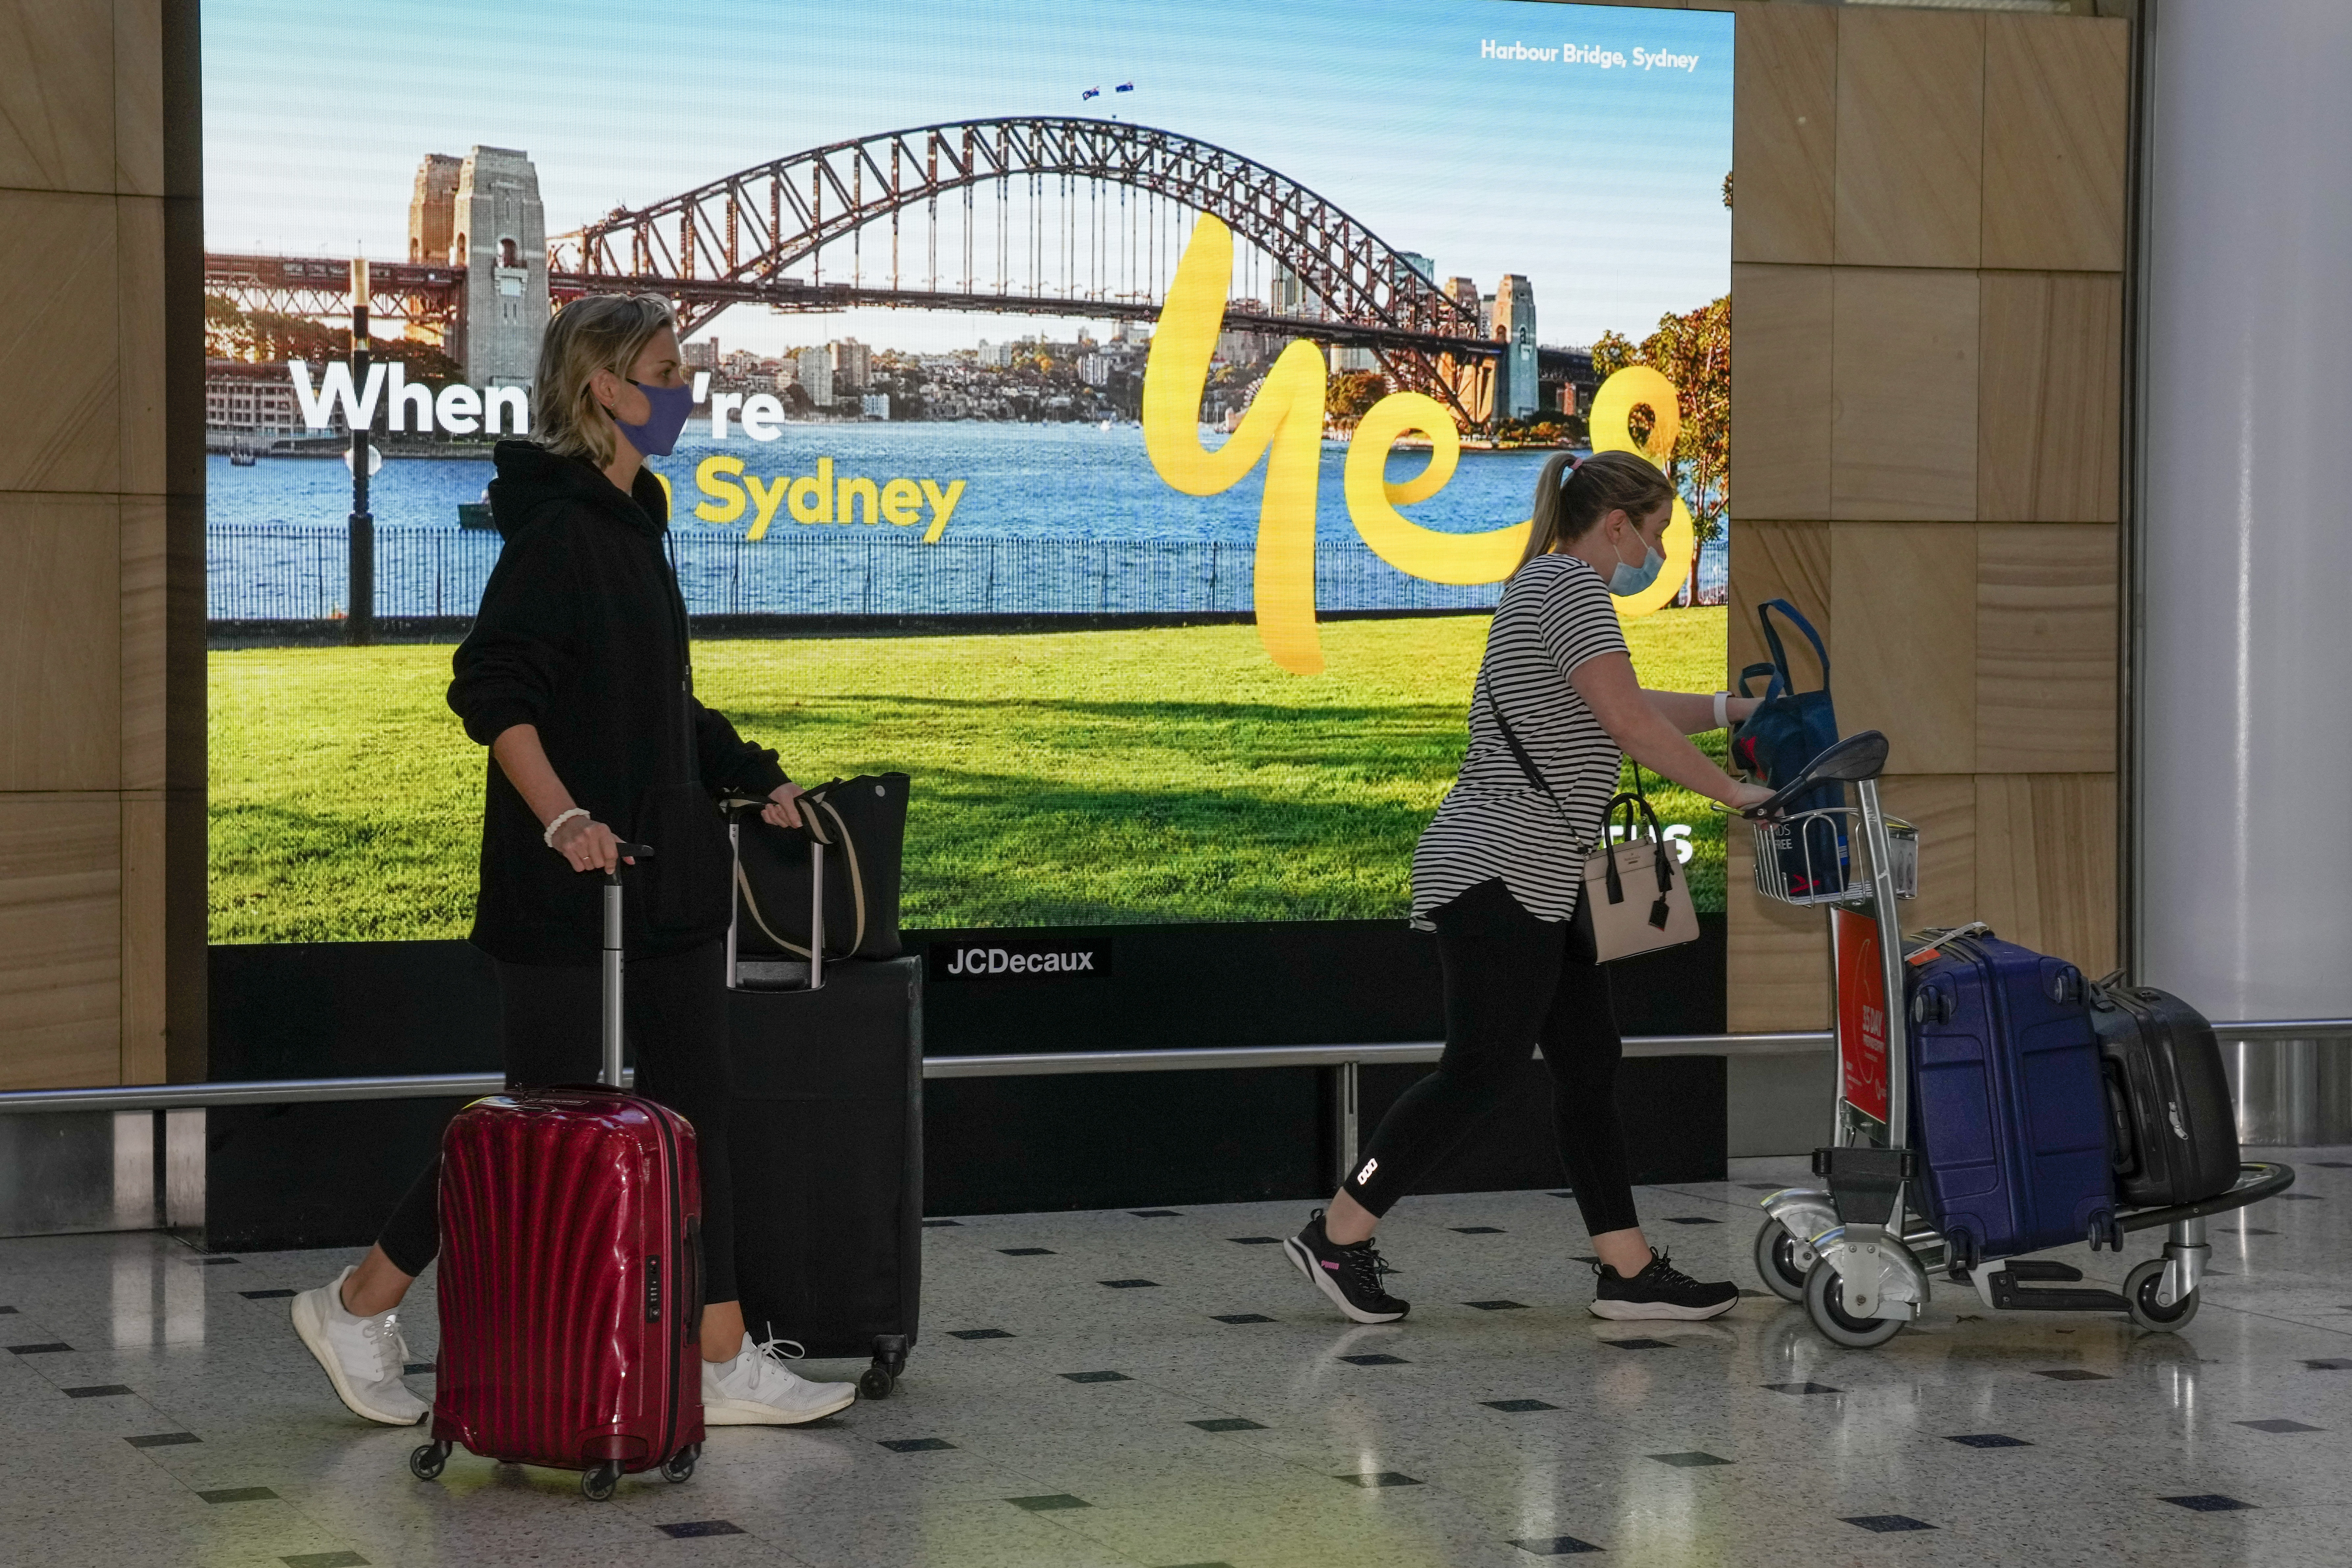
(680, 1466)
(424, 1463)
(599, 1484)
(877, 1381)
(2139, 1300)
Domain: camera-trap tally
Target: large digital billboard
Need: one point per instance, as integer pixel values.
(1118, 416)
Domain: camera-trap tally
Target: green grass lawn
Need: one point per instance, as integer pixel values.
(1069, 777)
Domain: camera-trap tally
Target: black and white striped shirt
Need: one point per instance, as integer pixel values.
(1555, 614)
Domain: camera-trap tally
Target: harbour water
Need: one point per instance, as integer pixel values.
(1049, 518)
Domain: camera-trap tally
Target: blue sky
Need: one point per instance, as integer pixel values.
(1602, 184)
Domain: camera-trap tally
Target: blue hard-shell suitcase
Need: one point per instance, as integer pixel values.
(2010, 1107)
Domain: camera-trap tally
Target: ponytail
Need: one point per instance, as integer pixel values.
(1573, 493)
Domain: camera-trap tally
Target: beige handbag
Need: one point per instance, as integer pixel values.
(1633, 901)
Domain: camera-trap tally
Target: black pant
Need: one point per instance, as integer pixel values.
(1512, 982)
(676, 1007)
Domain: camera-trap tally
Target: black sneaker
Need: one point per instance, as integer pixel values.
(1660, 1291)
(1351, 1275)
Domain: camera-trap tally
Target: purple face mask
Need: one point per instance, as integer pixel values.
(657, 436)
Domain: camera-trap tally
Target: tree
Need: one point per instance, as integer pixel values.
(272, 337)
(1349, 396)
(1694, 352)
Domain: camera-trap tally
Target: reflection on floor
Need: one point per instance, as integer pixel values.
(1210, 1409)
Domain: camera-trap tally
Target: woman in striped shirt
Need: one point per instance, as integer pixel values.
(1497, 876)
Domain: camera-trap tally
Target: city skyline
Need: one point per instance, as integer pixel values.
(1490, 166)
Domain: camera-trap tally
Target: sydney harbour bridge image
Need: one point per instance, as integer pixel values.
(1059, 216)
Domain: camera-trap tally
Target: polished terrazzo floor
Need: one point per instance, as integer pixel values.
(1160, 1388)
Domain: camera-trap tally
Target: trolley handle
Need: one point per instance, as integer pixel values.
(1854, 760)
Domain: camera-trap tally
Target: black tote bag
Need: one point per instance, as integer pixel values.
(862, 822)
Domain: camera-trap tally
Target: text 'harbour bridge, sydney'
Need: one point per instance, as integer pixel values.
(1041, 215)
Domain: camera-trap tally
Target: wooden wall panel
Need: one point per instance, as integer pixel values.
(59, 383)
(2045, 656)
(2045, 863)
(1902, 639)
(1782, 398)
(2057, 107)
(60, 915)
(145, 1000)
(1904, 358)
(57, 95)
(139, 97)
(144, 653)
(1778, 973)
(139, 319)
(1910, 139)
(1778, 561)
(2050, 397)
(1784, 136)
(1943, 807)
(60, 721)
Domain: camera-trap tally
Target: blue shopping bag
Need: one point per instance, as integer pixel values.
(1789, 729)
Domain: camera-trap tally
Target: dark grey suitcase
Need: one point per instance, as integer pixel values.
(2172, 1130)
(827, 1151)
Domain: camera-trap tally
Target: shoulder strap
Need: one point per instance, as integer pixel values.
(1780, 654)
(1519, 753)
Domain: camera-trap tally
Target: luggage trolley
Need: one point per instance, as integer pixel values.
(1852, 1252)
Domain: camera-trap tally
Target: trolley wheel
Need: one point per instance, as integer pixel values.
(2141, 1287)
(1825, 1305)
(680, 1466)
(599, 1484)
(424, 1463)
(1776, 1252)
(876, 1382)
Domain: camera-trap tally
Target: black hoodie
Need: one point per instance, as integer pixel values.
(582, 632)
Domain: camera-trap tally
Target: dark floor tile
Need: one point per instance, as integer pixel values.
(1691, 1219)
(1378, 1479)
(1554, 1545)
(1240, 1317)
(2333, 1164)
(1254, 1240)
(1375, 1360)
(937, 1224)
(268, 1295)
(1026, 1251)
(163, 1439)
(1131, 1284)
(1587, 1258)
(1228, 1424)
(916, 1445)
(2324, 1363)
(98, 1391)
(7, 1311)
(1988, 1440)
(1639, 1344)
(50, 1347)
(239, 1494)
(1497, 1306)
(2243, 1230)
(1889, 1523)
(1048, 1503)
(1564, 1192)
(978, 1334)
(1690, 1462)
(1155, 1213)
(2300, 1198)
(1096, 1376)
(1802, 1388)
(216, 1262)
(694, 1527)
(1200, 1565)
(2276, 1425)
(2207, 1502)
(325, 1560)
(1515, 1405)
(2071, 1374)
(418, 1368)
(1761, 1186)
(1477, 1230)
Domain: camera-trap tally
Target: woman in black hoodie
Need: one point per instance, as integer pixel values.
(577, 677)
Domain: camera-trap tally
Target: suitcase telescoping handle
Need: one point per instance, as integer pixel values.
(608, 1071)
(816, 889)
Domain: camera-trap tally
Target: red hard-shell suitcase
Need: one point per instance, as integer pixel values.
(571, 1275)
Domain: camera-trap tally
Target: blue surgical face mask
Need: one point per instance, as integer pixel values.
(1627, 581)
(657, 436)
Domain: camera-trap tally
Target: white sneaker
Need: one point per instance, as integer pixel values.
(756, 1389)
(363, 1357)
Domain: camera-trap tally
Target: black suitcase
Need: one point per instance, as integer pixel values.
(827, 1155)
(2172, 1129)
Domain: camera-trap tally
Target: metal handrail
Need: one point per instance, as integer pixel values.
(1038, 1064)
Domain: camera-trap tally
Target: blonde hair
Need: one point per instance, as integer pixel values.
(1572, 495)
(603, 332)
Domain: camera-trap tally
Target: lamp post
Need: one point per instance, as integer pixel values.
(362, 525)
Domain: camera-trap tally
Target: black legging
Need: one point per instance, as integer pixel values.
(676, 1007)
(1512, 982)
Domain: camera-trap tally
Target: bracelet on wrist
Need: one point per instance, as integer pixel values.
(1722, 710)
(562, 817)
